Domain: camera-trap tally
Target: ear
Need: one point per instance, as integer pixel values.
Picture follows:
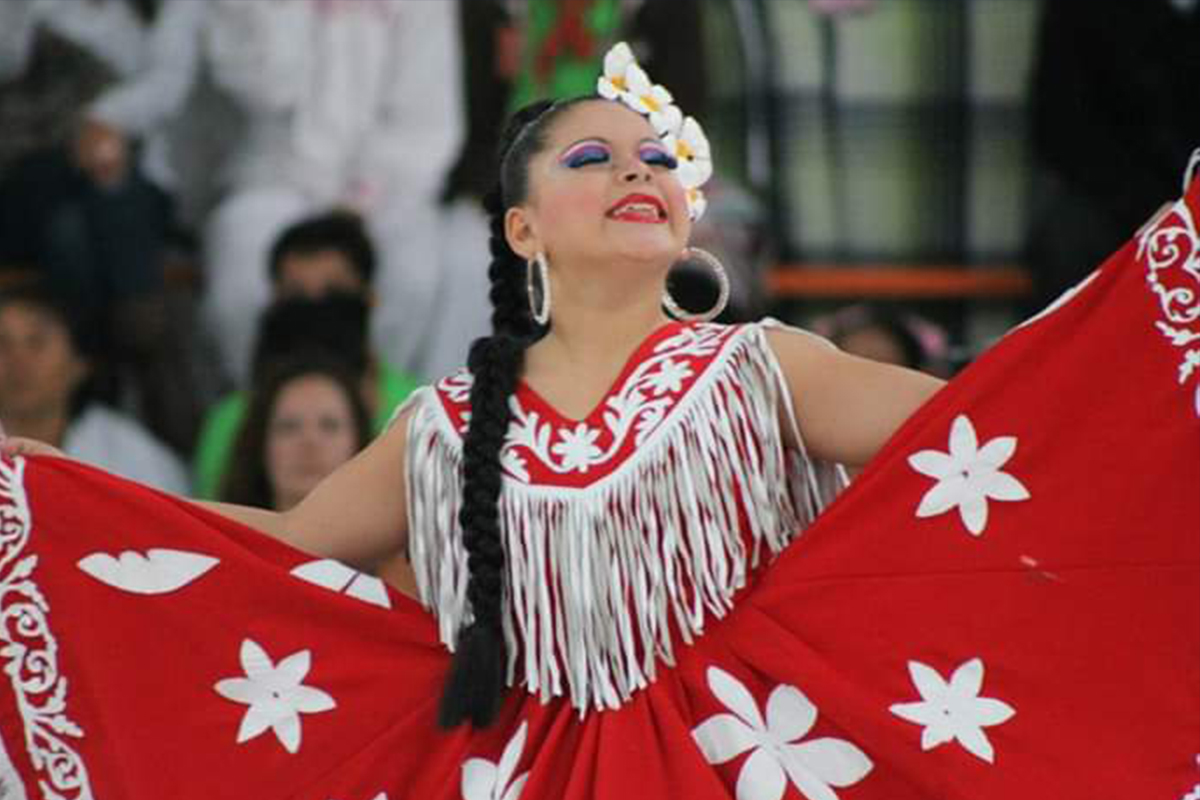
(521, 233)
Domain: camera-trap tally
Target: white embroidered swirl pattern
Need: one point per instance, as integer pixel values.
(1170, 249)
(637, 408)
(30, 650)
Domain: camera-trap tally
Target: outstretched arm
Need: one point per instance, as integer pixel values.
(846, 407)
(357, 515)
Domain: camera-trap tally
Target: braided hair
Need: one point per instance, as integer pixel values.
(475, 685)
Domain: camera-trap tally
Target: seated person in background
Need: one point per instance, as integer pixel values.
(313, 259)
(303, 419)
(44, 375)
(888, 335)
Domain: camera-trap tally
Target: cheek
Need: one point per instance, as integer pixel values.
(569, 206)
(277, 453)
(341, 446)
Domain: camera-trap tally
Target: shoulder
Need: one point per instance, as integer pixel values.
(112, 440)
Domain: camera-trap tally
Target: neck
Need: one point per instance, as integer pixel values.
(603, 320)
(49, 427)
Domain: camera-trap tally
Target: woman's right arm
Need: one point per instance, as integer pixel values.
(357, 515)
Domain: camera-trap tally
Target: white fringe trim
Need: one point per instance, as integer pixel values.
(597, 579)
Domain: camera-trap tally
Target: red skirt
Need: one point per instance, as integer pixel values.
(1005, 604)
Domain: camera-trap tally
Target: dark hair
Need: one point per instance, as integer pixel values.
(340, 231)
(475, 684)
(335, 324)
(38, 296)
(247, 482)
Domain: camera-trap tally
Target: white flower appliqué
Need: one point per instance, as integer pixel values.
(159, 571)
(275, 695)
(483, 780)
(954, 710)
(577, 448)
(669, 378)
(968, 476)
(337, 577)
(778, 756)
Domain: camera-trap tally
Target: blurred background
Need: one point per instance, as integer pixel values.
(244, 230)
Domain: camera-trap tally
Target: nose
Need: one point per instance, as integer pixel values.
(636, 171)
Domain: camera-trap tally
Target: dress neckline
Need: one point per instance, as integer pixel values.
(532, 398)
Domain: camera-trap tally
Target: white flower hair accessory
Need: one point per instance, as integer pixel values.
(625, 81)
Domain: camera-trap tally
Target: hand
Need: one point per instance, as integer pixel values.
(102, 152)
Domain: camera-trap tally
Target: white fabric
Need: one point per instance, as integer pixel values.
(348, 102)
(115, 442)
(156, 63)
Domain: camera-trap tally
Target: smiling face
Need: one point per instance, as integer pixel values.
(601, 192)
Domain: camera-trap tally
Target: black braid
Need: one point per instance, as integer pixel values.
(475, 685)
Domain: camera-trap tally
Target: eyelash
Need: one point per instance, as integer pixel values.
(593, 154)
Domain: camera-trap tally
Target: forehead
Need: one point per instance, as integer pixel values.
(599, 119)
(22, 313)
(309, 387)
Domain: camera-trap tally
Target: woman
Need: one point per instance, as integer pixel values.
(304, 420)
(612, 567)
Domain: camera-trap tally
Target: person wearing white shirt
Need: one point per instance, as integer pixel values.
(43, 393)
(92, 207)
(352, 103)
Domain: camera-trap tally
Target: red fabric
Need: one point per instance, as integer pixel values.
(1082, 603)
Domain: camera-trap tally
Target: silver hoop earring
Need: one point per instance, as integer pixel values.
(710, 261)
(540, 311)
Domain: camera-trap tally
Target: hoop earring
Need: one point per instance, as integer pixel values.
(710, 261)
(540, 311)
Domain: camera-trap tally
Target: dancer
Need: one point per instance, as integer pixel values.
(603, 517)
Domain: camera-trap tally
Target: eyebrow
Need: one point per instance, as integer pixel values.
(602, 140)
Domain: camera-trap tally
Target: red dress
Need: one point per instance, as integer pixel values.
(1005, 604)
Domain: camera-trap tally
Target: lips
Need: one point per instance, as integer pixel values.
(638, 208)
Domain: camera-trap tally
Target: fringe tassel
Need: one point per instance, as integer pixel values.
(599, 578)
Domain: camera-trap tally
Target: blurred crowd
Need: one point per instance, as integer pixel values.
(236, 234)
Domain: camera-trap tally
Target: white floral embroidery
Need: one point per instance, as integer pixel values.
(954, 710)
(637, 408)
(483, 780)
(458, 386)
(275, 695)
(669, 378)
(30, 651)
(1170, 248)
(159, 571)
(577, 448)
(778, 756)
(968, 476)
(337, 577)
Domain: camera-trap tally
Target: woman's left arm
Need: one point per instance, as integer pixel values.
(846, 407)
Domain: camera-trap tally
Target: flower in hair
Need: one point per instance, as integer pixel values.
(625, 81)
(691, 150)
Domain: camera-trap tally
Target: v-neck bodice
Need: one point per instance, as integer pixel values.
(629, 529)
(532, 398)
